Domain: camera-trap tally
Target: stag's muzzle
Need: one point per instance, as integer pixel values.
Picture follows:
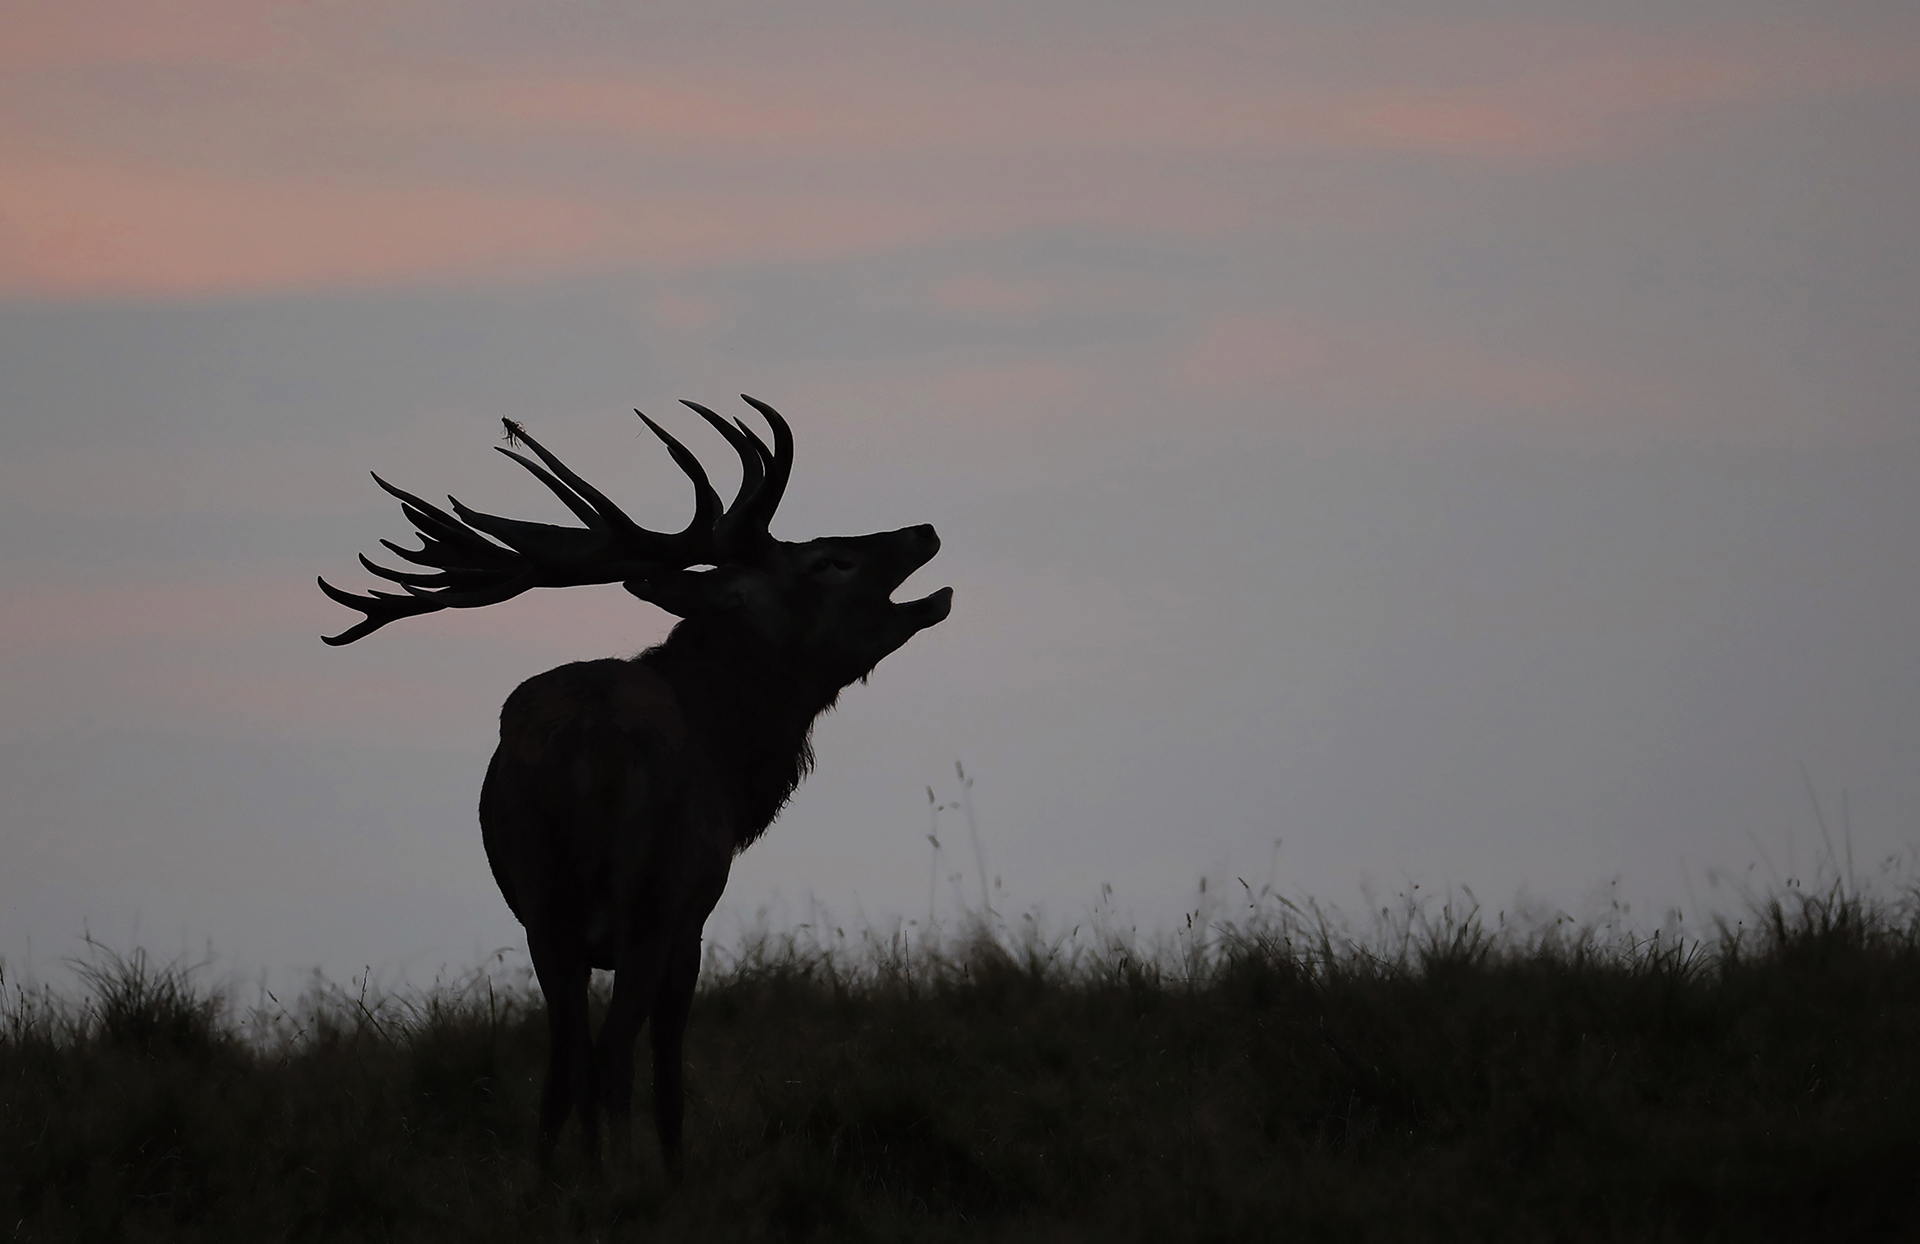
(914, 547)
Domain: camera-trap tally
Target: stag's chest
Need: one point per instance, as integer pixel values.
(655, 848)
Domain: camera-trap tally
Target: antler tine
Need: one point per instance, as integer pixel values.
(380, 608)
(570, 547)
(608, 512)
(744, 525)
(612, 533)
(779, 462)
(435, 523)
(582, 509)
(753, 438)
(473, 598)
(406, 578)
(442, 556)
(752, 472)
(706, 502)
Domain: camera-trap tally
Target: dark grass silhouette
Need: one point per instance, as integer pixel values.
(1278, 1082)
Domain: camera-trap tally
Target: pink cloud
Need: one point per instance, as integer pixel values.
(141, 32)
(75, 228)
(327, 152)
(1528, 90)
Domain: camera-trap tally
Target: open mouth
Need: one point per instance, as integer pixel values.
(924, 542)
(929, 609)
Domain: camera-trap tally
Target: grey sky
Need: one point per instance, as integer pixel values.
(1475, 449)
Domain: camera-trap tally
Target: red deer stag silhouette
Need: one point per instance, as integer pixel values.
(622, 789)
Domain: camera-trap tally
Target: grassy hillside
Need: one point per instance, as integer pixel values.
(1280, 1083)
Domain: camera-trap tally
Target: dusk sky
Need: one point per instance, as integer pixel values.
(1469, 444)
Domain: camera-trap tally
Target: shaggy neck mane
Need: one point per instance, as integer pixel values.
(753, 710)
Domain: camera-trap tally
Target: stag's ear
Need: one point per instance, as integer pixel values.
(692, 593)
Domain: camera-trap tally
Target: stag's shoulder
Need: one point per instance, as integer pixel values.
(625, 697)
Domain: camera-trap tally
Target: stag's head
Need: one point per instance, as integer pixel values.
(826, 602)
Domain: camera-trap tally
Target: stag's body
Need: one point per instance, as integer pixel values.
(612, 810)
(622, 789)
(610, 835)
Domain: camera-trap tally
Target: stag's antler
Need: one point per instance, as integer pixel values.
(468, 570)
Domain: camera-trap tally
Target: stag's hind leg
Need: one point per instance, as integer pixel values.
(563, 976)
(634, 983)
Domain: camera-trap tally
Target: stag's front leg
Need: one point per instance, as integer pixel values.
(668, 1034)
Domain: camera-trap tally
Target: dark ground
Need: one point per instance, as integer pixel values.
(1445, 1085)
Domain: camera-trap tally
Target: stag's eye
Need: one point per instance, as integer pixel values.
(830, 563)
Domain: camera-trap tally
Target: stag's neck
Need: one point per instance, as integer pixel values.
(751, 714)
